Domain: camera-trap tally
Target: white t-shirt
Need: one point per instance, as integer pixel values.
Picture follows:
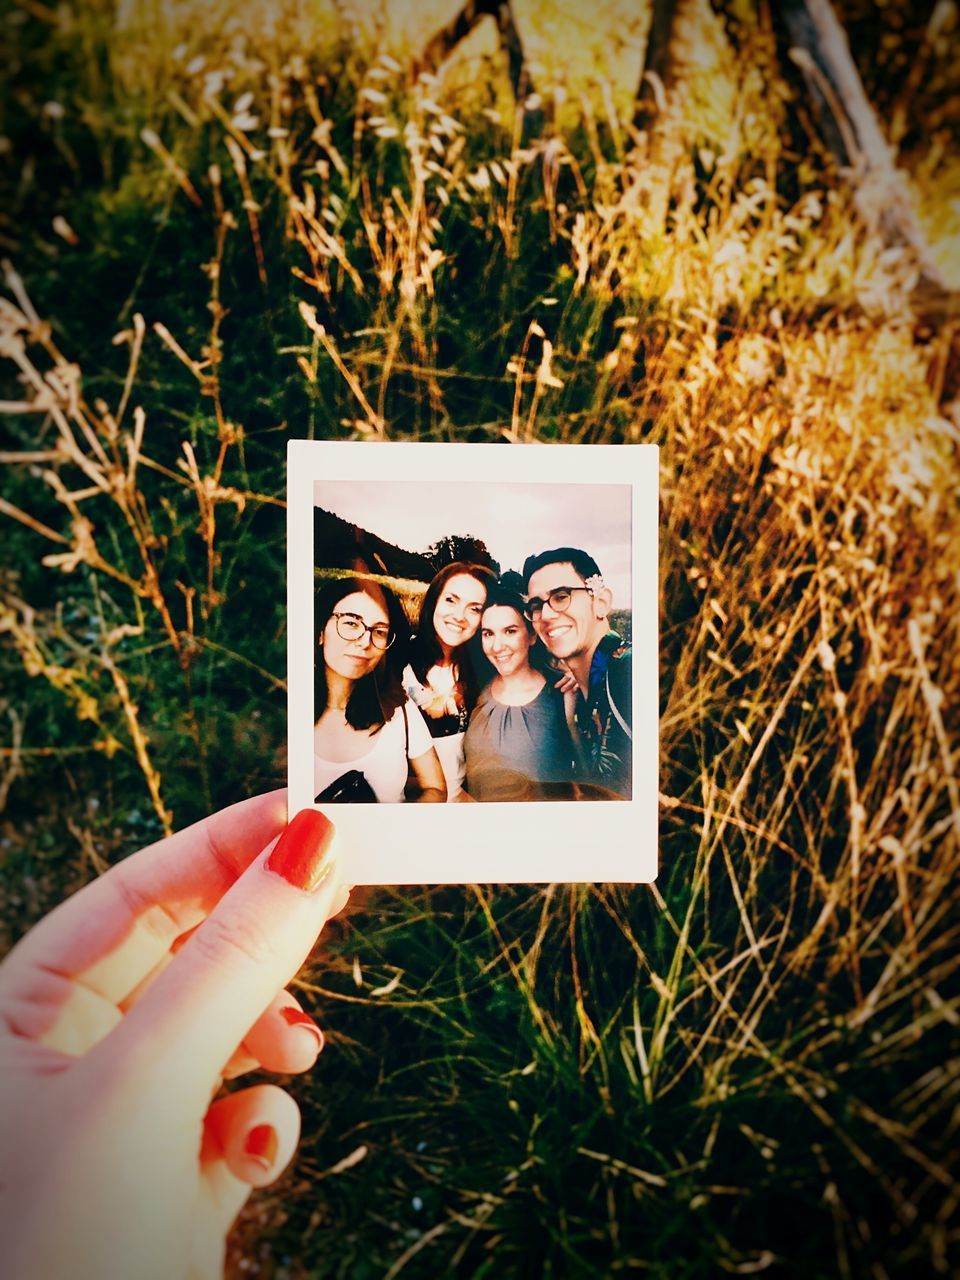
(446, 723)
(384, 764)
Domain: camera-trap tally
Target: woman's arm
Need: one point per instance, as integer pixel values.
(429, 775)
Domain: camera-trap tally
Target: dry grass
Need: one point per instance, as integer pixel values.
(562, 1081)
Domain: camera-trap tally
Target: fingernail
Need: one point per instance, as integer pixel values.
(261, 1145)
(295, 1017)
(303, 855)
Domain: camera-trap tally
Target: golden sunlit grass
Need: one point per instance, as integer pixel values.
(749, 1064)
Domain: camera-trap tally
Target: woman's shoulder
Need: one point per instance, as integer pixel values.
(485, 706)
(391, 726)
(549, 701)
(405, 726)
(487, 697)
(414, 728)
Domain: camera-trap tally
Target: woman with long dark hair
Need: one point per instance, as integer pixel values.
(441, 678)
(367, 738)
(517, 738)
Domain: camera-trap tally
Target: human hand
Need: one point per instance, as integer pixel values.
(438, 705)
(120, 1014)
(567, 683)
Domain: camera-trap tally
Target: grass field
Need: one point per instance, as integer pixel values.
(262, 227)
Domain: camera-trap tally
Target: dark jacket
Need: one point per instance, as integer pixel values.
(604, 717)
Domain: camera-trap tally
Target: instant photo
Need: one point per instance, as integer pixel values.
(473, 658)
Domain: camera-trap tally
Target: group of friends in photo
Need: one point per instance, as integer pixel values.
(512, 688)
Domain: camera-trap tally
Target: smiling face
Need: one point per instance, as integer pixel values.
(505, 639)
(459, 606)
(579, 628)
(354, 659)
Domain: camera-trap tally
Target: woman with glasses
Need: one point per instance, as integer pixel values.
(441, 678)
(517, 738)
(367, 738)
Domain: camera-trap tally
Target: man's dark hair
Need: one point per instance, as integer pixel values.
(374, 697)
(506, 597)
(582, 562)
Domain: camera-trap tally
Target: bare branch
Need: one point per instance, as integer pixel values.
(811, 38)
(441, 45)
(658, 63)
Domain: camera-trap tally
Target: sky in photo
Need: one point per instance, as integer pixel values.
(514, 520)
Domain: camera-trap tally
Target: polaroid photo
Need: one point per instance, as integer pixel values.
(472, 658)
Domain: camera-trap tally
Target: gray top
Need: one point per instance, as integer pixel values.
(510, 749)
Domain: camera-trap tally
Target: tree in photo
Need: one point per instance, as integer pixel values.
(455, 547)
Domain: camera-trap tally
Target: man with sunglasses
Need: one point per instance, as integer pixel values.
(568, 605)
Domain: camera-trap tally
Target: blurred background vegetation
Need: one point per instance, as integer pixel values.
(225, 226)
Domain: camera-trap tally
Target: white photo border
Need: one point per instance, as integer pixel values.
(537, 842)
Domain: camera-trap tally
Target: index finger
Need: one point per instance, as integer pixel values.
(189, 1022)
(110, 935)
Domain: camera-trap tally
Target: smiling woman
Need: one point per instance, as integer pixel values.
(367, 739)
(441, 678)
(518, 736)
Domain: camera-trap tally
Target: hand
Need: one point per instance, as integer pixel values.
(567, 683)
(121, 1012)
(439, 705)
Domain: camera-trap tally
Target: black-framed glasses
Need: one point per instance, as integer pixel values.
(352, 627)
(558, 599)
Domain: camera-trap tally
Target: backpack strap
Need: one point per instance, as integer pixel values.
(406, 730)
(613, 707)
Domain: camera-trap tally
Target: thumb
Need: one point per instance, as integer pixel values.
(191, 1019)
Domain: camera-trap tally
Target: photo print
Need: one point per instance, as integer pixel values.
(473, 658)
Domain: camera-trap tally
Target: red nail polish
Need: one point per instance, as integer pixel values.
(261, 1145)
(295, 1017)
(304, 853)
